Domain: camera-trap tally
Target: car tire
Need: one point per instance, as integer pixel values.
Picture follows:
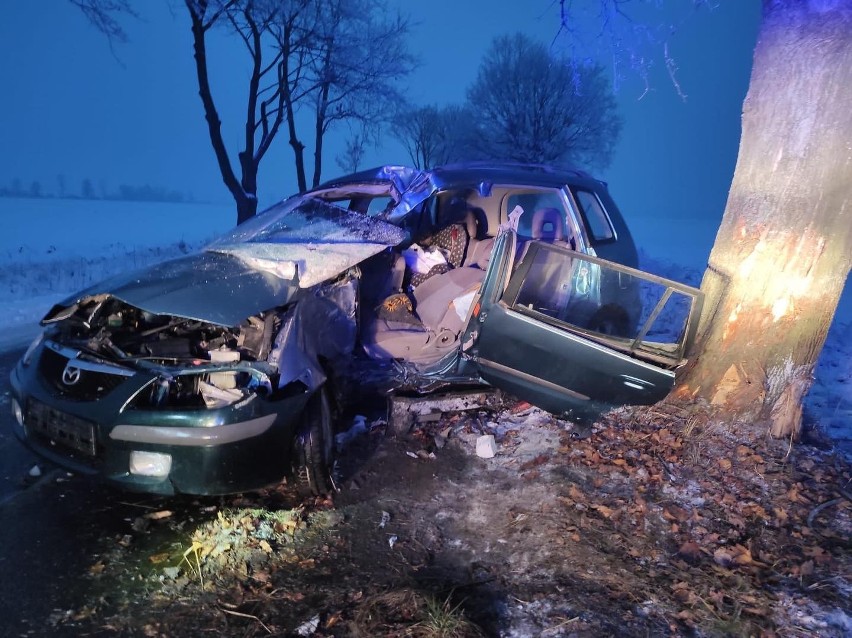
(313, 448)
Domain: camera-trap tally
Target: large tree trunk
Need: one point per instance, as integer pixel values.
(784, 248)
(246, 207)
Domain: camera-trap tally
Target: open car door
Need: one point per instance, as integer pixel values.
(576, 334)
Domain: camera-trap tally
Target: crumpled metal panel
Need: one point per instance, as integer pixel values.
(320, 239)
(212, 287)
(300, 345)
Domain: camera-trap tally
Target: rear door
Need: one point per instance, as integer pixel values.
(577, 334)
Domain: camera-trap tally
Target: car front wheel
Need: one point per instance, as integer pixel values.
(314, 447)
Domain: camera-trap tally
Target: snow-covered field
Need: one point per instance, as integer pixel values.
(50, 248)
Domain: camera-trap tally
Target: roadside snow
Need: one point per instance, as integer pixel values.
(51, 248)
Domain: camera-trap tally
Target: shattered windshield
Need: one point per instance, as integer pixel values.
(307, 239)
(311, 220)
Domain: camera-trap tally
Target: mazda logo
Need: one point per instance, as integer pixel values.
(71, 375)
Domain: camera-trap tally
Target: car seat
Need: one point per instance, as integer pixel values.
(548, 224)
(441, 302)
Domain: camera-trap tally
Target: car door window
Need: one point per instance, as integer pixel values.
(621, 307)
(597, 221)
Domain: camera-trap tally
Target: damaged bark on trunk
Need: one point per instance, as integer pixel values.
(784, 248)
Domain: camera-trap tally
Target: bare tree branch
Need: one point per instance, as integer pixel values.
(103, 16)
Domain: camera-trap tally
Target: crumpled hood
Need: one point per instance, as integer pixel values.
(207, 286)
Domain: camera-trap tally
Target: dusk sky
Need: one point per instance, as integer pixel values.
(73, 108)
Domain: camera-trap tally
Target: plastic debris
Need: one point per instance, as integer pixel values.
(385, 519)
(486, 446)
(308, 627)
(159, 515)
(441, 438)
(392, 539)
(358, 427)
(35, 471)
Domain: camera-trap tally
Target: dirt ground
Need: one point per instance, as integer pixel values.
(655, 521)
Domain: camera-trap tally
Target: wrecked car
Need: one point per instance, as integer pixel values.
(221, 371)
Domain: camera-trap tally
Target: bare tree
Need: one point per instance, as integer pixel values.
(350, 160)
(421, 133)
(534, 106)
(434, 136)
(360, 58)
(327, 58)
(273, 37)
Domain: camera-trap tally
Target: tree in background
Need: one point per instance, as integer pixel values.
(434, 136)
(326, 58)
(359, 59)
(784, 248)
(533, 105)
(87, 189)
(102, 14)
(350, 159)
(271, 82)
(313, 64)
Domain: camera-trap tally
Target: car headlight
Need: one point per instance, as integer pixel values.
(150, 463)
(18, 412)
(28, 355)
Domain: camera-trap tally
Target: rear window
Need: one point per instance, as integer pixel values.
(597, 221)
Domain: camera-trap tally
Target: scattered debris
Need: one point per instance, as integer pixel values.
(308, 627)
(358, 427)
(159, 515)
(441, 438)
(406, 412)
(486, 447)
(661, 521)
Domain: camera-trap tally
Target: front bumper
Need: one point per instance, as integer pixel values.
(214, 451)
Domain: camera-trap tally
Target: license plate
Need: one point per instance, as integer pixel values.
(62, 429)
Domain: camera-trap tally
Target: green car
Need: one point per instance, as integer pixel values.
(222, 371)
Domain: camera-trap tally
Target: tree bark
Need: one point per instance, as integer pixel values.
(288, 104)
(319, 132)
(784, 248)
(246, 201)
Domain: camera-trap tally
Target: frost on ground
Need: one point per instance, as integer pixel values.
(661, 520)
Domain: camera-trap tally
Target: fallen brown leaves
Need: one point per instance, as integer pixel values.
(665, 521)
(714, 518)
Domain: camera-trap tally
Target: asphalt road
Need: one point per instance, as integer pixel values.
(42, 551)
(15, 460)
(52, 531)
